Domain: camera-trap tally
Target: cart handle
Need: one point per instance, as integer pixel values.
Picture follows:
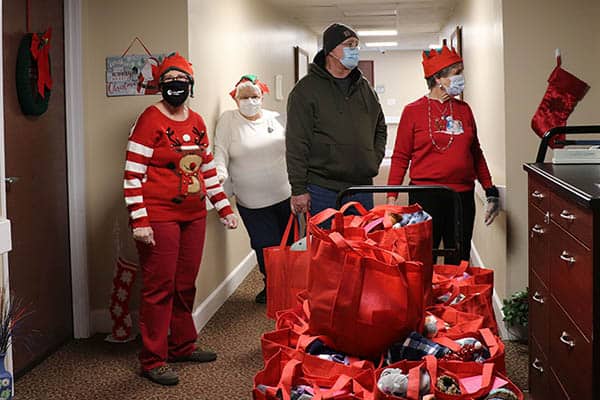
(405, 189)
(575, 129)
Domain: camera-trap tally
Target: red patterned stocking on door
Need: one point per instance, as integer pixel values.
(562, 95)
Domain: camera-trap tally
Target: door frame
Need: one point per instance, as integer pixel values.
(76, 168)
(5, 277)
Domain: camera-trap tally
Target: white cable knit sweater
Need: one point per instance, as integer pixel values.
(252, 154)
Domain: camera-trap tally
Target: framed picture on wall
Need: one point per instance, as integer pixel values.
(456, 40)
(301, 61)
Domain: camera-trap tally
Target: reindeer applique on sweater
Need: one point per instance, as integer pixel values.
(191, 146)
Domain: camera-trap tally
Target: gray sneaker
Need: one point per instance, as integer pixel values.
(162, 375)
(197, 355)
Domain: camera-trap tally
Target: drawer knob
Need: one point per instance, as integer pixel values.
(537, 194)
(537, 229)
(537, 364)
(565, 256)
(547, 217)
(567, 215)
(566, 339)
(538, 297)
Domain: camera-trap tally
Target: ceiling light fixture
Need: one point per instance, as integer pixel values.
(378, 32)
(374, 13)
(381, 44)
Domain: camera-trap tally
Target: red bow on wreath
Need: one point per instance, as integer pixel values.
(40, 49)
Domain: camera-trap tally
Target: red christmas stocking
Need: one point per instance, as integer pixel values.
(563, 92)
(119, 301)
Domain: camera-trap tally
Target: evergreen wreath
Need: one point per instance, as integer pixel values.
(27, 75)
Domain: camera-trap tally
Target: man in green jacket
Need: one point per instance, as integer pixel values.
(335, 132)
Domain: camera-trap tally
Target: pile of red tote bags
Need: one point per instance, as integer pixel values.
(361, 312)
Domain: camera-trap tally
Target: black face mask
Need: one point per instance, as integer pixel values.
(176, 92)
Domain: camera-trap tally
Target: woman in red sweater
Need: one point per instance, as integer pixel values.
(169, 172)
(437, 136)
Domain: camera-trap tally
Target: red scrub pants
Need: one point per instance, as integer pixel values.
(169, 272)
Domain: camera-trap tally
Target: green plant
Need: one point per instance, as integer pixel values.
(516, 308)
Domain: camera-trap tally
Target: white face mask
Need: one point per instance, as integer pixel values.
(250, 107)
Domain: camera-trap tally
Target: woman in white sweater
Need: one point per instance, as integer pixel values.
(250, 151)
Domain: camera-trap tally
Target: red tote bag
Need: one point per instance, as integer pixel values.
(486, 374)
(363, 297)
(445, 274)
(478, 301)
(287, 271)
(451, 322)
(415, 371)
(413, 242)
(328, 379)
(486, 337)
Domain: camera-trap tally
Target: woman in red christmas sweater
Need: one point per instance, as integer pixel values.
(437, 136)
(168, 174)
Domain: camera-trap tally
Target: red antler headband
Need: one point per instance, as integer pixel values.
(435, 61)
(250, 78)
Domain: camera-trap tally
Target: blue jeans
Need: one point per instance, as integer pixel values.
(265, 227)
(322, 198)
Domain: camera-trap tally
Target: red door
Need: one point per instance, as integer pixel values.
(367, 67)
(37, 204)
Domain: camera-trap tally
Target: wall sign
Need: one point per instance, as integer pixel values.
(132, 75)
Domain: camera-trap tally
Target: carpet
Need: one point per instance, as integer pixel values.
(93, 369)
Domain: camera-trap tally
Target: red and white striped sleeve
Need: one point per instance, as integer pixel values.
(214, 190)
(140, 149)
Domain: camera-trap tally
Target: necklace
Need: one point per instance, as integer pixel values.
(437, 147)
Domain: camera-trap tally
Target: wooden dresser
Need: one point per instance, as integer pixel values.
(564, 279)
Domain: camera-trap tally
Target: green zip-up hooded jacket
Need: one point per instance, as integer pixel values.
(333, 139)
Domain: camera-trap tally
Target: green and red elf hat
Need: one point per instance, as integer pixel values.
(436, 60)
(250, 78)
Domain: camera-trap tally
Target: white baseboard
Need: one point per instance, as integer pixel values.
(497, 303)
(102, 322)
(204, 312)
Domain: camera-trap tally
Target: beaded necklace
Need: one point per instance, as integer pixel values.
(447, 146)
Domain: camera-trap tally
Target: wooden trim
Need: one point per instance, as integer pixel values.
(5, 279)
(297, 59)
(76, 168)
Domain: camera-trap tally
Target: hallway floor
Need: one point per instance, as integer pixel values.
(94, 369)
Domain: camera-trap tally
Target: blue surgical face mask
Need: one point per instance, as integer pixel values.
(457, 85)
(351, 57)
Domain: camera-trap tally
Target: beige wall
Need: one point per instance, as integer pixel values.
(108, 28)
(532, 30)
(223, 40)
(508, 49)
(230, 38)
(482, 50)
(401, 74)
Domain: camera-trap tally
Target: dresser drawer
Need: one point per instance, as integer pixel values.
(539, 194)
(539, 313)
(571, 277)
(539, 372)
(570, 355)
(573, 218)
(539, 235)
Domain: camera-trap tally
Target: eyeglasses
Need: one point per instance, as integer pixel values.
(353, 44)
(178, 78)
